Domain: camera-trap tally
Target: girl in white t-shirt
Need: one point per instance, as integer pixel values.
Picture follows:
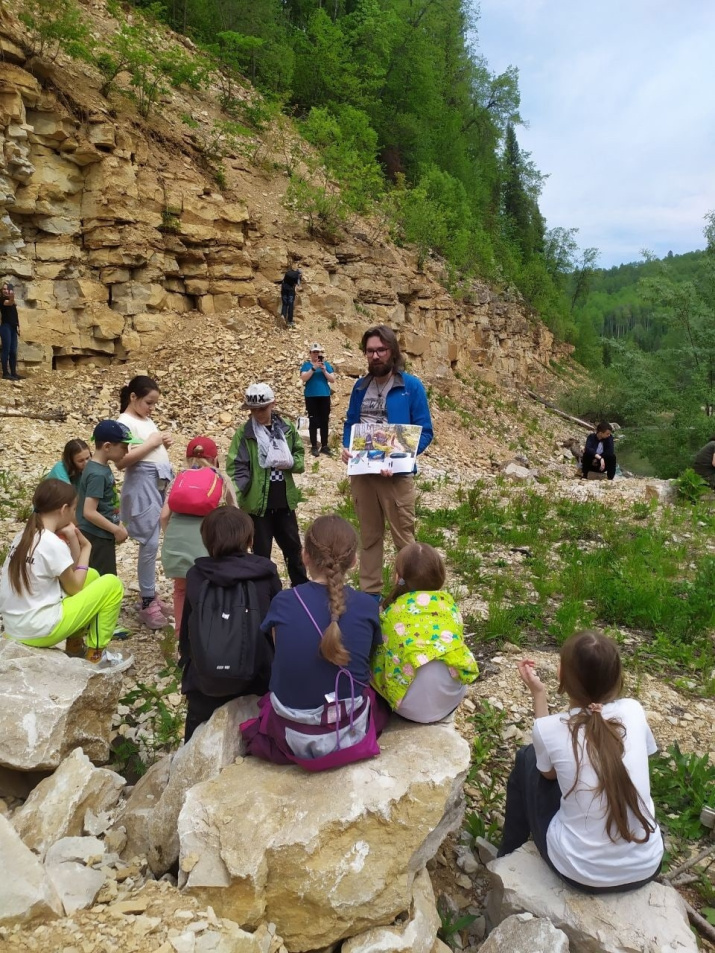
(148, 473)
(48, 593)
(582, 789)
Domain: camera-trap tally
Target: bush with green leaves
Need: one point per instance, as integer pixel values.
(690, 486)
(54, 25)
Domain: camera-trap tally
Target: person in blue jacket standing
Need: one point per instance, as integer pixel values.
(317, 375)
(386, 394)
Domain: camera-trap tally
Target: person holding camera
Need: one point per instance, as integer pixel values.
(317, 375)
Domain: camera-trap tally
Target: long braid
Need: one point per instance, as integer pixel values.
(331, 543)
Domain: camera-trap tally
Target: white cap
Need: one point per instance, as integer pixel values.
(316, 347)
(257, 396)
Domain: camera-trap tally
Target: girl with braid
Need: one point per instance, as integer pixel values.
(582, 788)
(324, 633)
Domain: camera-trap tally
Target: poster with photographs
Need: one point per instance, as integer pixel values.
(377, 447)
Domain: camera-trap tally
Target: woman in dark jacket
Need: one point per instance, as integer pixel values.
(9, 332)
(227, 534)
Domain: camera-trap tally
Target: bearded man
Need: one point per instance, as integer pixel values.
(386, 394)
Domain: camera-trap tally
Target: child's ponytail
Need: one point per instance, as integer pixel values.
(331, 544)
(591, 675)
(50, 495)
(419, 568)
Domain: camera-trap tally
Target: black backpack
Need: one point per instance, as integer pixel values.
(229, 653)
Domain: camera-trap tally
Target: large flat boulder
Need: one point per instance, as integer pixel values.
(58, 805)
(323, 856)
(651, 919)
(51, 704)
(524, 933)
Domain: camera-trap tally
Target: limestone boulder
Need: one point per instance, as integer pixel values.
(214, 745)
(524, 933)
(652, 918)
(56, 808)
(66, 862)
(416, 935)
(324, 857)
(51, 704)
(26, 892)
(140, 806)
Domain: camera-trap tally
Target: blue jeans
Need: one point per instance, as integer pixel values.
(8, 337)
(287, 302)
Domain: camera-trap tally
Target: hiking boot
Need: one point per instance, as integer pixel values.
(152, 617)
(7, 377)
(327, 451)
(17, 377)
(106, 661)
(315, 452)
(74, 646)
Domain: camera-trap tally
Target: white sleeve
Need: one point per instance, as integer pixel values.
(543, 760)
(54, 554)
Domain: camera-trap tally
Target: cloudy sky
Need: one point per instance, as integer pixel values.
(619, 96)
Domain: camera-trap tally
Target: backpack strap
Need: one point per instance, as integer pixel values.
(341, 671)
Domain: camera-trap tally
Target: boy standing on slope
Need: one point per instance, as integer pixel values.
(97, 498)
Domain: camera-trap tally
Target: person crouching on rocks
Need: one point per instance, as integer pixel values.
(599, 454)
(422, 666)
(320, 710)
(582, 788)
(48, 594)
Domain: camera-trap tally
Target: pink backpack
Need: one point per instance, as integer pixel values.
(196, 492)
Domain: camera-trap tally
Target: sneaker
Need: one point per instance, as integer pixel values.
(17, 377)
(327, 451)
(113, 662)
(7, 377)
(315, 452)
(152, 617)
(166, 609)
(121, 633)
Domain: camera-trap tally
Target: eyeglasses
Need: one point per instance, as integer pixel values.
(370, 351)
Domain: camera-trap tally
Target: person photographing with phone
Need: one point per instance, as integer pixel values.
(317, 375)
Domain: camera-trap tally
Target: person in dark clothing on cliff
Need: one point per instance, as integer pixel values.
(9, 333)
(290, 282)
(599, 455)
(704, 463)
(227, 534)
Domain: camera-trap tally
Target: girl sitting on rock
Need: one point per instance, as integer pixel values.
(181, 521)
(422, 666)
(47, 593)
(148, 473)
(320, 711)
(75, 457)
(582, 788)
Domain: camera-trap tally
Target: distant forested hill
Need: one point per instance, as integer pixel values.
(621, 304)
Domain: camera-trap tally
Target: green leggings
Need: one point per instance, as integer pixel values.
(95, 608)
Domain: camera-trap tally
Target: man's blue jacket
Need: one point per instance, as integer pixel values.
(405, 402)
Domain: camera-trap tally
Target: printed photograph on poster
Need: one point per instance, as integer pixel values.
(376, 447)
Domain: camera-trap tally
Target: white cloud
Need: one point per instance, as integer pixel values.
(618, 97)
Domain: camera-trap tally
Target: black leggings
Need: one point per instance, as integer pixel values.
(531, 803)
(587, 464)
(318, 416)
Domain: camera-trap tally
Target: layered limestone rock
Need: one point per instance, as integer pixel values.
(524, 933)
(152, 811)
(323, 857)
(652, 918)
(106, 233)
(51, 704)
(58, 806)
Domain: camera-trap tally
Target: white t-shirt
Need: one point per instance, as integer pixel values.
(577, 842)
(142, 428)
(34, 613)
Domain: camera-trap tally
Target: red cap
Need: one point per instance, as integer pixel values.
(202, 447)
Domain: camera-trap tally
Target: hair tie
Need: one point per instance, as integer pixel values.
(400, 582)
(595, 708)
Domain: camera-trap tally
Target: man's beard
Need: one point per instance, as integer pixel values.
(382, 368)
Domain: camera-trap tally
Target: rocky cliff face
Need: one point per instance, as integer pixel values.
(109, 225)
